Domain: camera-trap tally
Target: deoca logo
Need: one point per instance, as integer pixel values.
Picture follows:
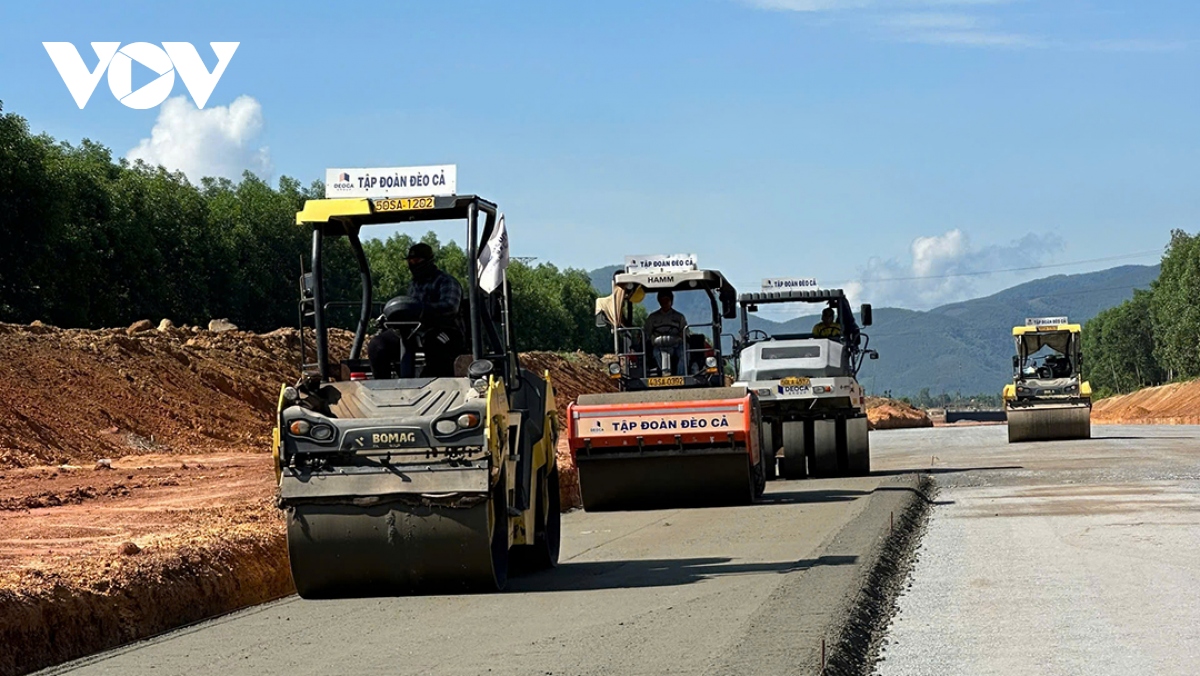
(167, 60)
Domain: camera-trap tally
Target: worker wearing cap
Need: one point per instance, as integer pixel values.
(827, 328)
(440, 331)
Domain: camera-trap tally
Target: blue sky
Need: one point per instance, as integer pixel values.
(856, 141)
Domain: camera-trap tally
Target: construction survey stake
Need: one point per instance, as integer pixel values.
(1045, 321)
(789, 284)
(660, 263)
(433, 181)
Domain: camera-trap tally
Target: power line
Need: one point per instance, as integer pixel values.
(992, 272)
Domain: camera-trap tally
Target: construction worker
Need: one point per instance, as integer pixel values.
(665, 329)
(827, 328)
(440, 331)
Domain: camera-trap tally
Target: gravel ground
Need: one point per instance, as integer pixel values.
(1078, 557)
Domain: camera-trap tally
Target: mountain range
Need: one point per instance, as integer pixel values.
(963, 347)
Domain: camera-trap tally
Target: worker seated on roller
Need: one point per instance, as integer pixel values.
(665, 330)
(1059, 366)
(827, 327)
(439, 330)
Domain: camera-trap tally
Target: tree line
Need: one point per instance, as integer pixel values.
(1154, 337)
(93, 241)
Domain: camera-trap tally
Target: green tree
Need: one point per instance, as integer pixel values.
(1174, 310)
(1119, 348)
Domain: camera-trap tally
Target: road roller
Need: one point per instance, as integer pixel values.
(430, 477)
(1048, 398)
(813, 408)
(674, 434)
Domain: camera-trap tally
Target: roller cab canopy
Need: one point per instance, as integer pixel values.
(1057, 337)
(341, 216)
(489, 332)
(645, 276)
(833, 297)
(635, 286)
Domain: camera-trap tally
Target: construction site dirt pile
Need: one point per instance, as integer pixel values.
(78, 396)
(1174, 404)
(891, 414)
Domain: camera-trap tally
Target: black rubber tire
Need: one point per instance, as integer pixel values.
(794, 462)
(768, 449)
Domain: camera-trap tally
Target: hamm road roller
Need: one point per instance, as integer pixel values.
(1048, 398)
(675, 434)
(427, 481)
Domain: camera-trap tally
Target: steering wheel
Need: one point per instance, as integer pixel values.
(1045, 373)
(757, 334)
(666, 336)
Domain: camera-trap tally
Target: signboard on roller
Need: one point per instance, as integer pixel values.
(1045, 321)
(789, 284)
(660, 263)
(438, 180)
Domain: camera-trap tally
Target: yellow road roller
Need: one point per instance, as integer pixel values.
(416, 480)
(1048, 398)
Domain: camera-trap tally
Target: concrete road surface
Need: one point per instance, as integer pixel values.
(1064, 557)
(738, 590)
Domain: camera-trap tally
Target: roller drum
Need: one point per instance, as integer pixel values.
(399, 547)
(633, 481)
(1045, 423)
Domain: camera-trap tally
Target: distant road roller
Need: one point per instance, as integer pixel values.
(675, 435)
(813, 407)
(413, 484)
(1048, 398)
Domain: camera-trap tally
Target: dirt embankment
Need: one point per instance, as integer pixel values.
(136, 488)
(892, 414)
(75, 396)
(1174, 404)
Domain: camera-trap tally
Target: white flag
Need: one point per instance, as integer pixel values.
(493, 258)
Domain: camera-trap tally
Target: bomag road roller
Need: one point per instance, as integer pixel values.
(813, 407)
(412, 484)
(1048, 398)
(675, 434)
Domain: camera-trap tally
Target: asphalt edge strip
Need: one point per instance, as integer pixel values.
(860, 636)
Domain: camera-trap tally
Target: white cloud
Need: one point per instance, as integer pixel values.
(943, 269)
(216, 141)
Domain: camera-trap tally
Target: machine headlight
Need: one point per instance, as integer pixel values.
(445, 426)
(468, 420)
(764, 391)
(711, 362)
(300, 427)
(614, 369)
(481, 386)
(321, 432)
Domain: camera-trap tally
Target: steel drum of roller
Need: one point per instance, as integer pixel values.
(698, 478)
(1049, 422)
(396, 548)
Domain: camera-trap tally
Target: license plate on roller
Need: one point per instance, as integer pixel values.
(793, 381)
(668, 381)
(402, 204)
